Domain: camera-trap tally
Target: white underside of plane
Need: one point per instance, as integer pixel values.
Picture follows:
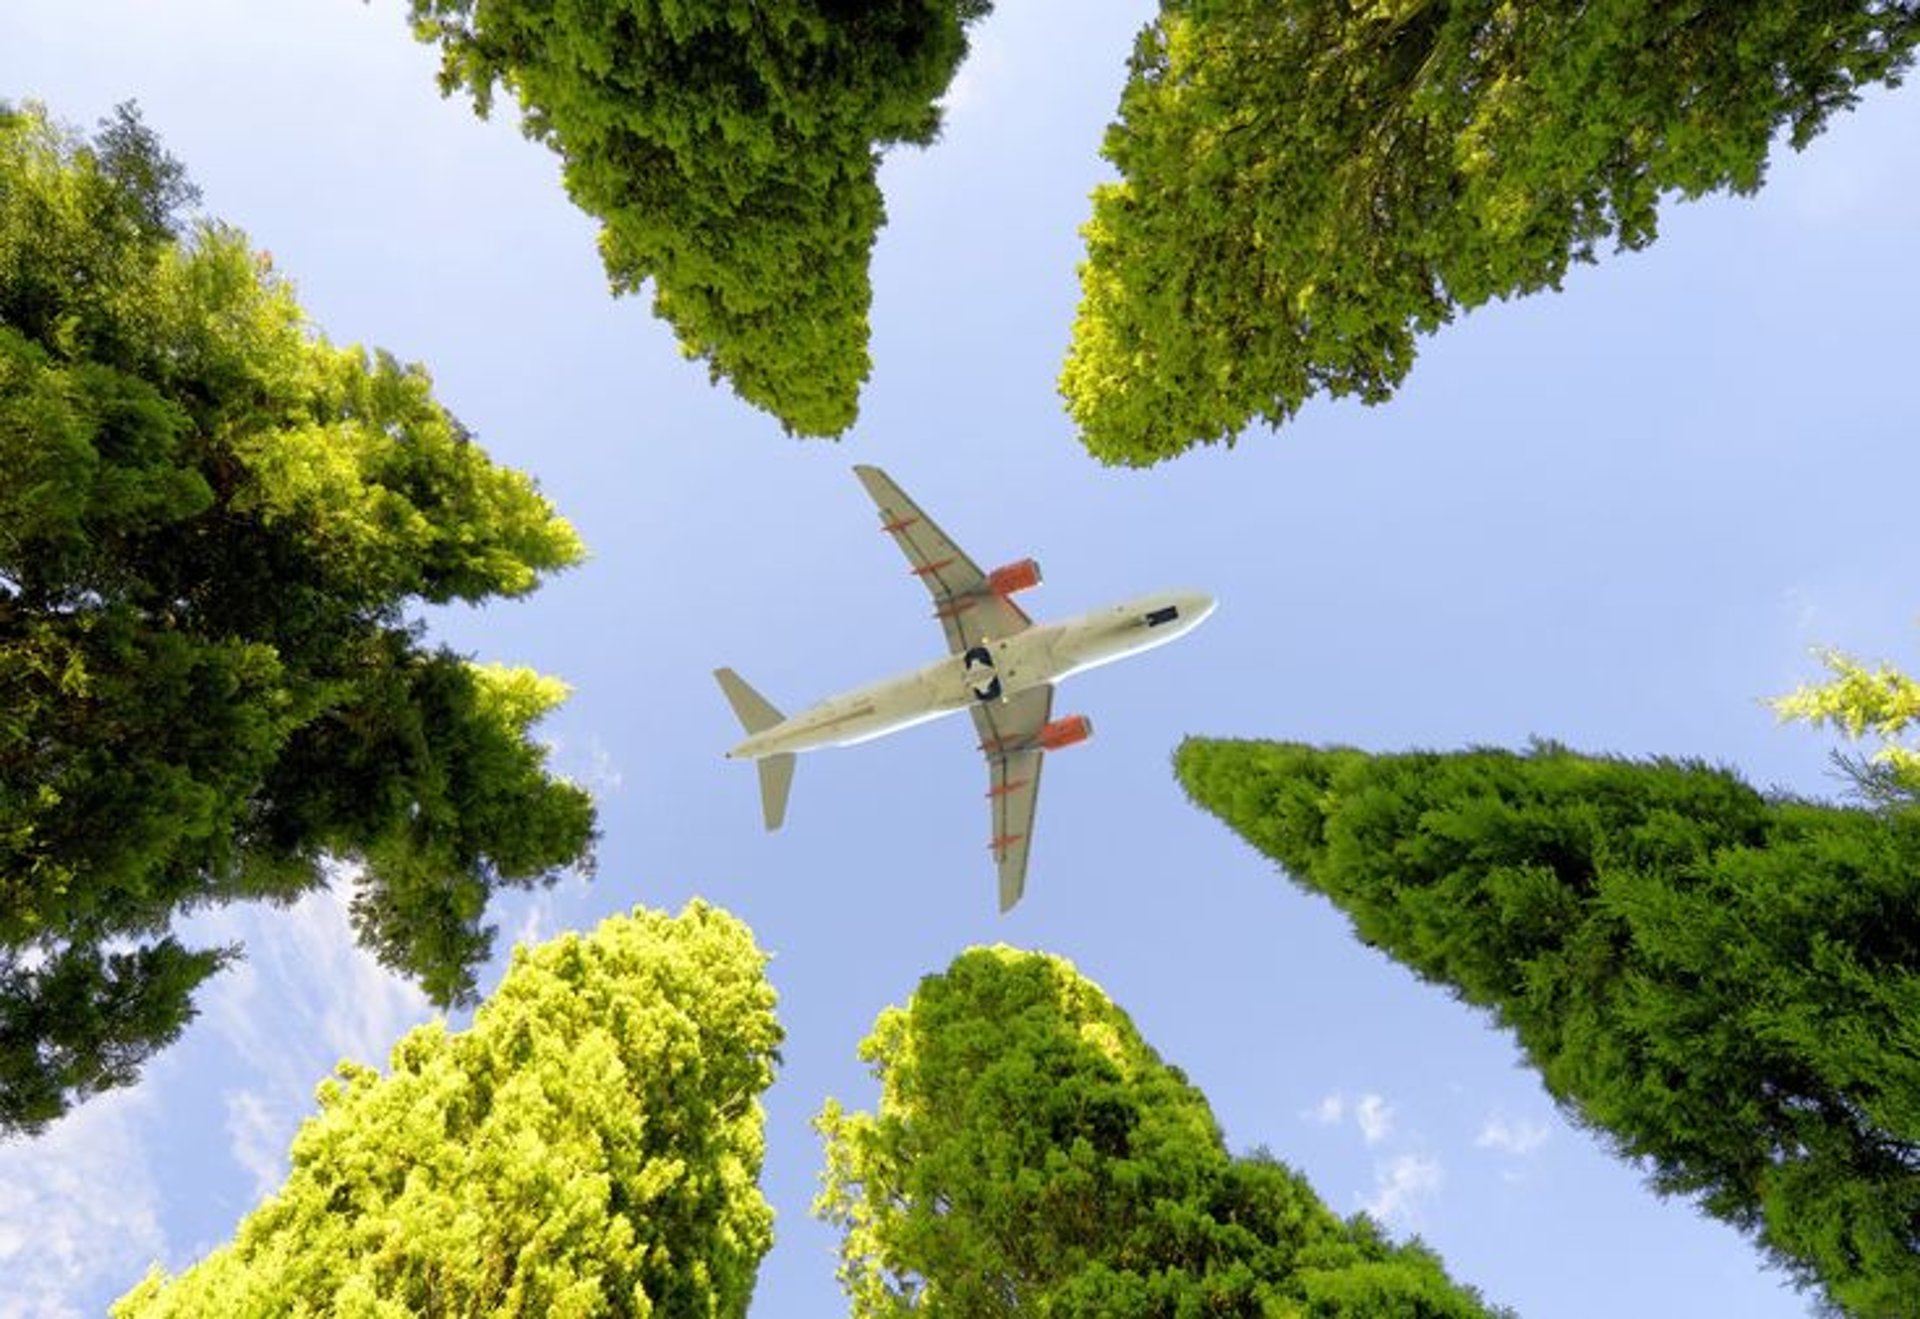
(1002, 668)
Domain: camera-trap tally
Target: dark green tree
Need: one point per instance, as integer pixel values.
(1725, 985)
(213, 525)
(1031, 1155)
(1307, 188)
(591, 1146)
(729, 149)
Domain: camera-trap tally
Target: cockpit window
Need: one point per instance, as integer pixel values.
(1159, 616)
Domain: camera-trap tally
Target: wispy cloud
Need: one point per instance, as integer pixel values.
(978, 75)
(1375, 1116)
(1400, 1186)
(587, 762)
(1371, 1113)
(1400, 1182)
(1328, 1111)
(258, 1132)
(76, 1205)
(81, 1203)
(536, 923)
(1517, 1137)
(306, 997)
(1802, 609)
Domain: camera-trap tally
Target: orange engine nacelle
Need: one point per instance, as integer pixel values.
(1065, 732)
(1014, 577)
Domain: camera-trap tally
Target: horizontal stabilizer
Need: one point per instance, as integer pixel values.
(776, 778)
(755, 712)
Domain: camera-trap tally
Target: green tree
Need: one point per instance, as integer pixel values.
(1726, 985)
(1307, 188)
(1859, 701)
(729, 149)
(1030, 1154)
(591, 1146)
(213, 524)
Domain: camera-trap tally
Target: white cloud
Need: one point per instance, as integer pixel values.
(588, 764)
(1803, 609)
(1371, 1113)
(305, 997)
(536, 923)
(77, 1204)
(1400, 1185)
(1328, 1111)
(983, 69)
(1519, 1138)
(306, 959)
(603, 775)
(81, 1205)
(1375, 1116)
(258, 1131)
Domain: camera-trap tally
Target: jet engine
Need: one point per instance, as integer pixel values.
(1013, 578)
(1065, 732)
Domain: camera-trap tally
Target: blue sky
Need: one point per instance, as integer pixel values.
(1618, 516)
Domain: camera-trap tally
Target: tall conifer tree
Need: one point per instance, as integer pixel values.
(729, 150)
(590, 1146)
(1725, 985)
(1030, 1154)
(214, 529)
(1307, 188)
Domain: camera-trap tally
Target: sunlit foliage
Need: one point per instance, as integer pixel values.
(729, 150)
(1881, 702)
(1725, 985)
(1307, 188)
(213, 524)
(591, 1146)
(1030, 1154)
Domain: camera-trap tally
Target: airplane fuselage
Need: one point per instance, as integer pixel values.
(993, 671)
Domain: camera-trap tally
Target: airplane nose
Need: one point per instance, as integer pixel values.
(1197, 605)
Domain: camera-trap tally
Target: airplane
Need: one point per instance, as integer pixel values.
(1001, 667)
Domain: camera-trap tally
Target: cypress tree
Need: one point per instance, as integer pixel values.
(1724, 985)
(729, 149)
(590, 1146)
(215, 530)
(1307, 188)
(1031, 1154)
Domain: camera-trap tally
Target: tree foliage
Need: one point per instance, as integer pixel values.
(729, 149)
(212, 525)
(1030, 1154)
(1726, 985)
(591, 1146)
(1307, 188)
(1882, 702)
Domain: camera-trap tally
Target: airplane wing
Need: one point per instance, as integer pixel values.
(1007, 732)
(967, 608)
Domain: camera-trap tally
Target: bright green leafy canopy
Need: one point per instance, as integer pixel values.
(1859, 701)
(1726, 985)
(591, 1146)
(212, 526)
(1308, 187)
(729, 150)
(1031, 1155)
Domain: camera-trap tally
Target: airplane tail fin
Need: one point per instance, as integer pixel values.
(776, 778)
(757, 714)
